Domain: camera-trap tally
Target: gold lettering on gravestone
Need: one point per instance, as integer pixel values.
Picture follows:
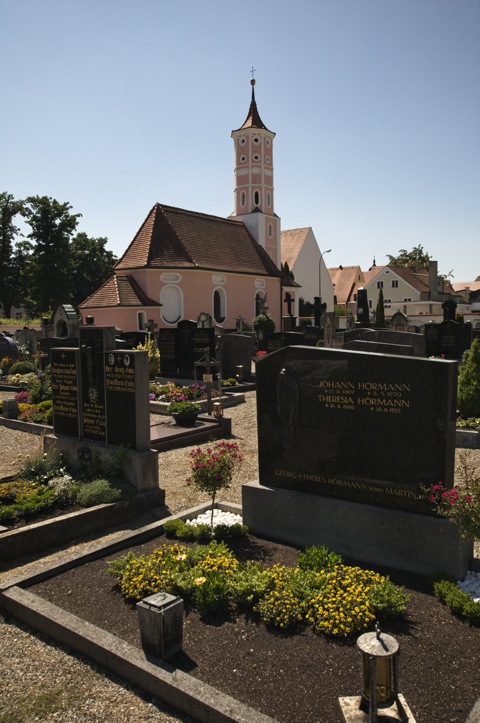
(378, 396)
(349, 484)
(120, 379)
(64, 388)
(94, 418)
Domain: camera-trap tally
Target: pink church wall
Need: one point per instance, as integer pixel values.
(198, 289)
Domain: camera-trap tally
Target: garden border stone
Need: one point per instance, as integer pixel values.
(40, 536)
(157, 677)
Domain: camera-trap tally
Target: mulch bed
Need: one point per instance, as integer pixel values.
(295, 677)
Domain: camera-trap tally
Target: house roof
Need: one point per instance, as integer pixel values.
(253, 119)
(173, 238)
(344, 280)
(118, 291)
(460, 286)
(292, 242)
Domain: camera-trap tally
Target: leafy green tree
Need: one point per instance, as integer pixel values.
(380, 311)
(91, 265)
(9, 208)
(469, 382)
(417, 258)
(52, 227)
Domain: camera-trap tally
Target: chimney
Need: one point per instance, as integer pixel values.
(433, 279)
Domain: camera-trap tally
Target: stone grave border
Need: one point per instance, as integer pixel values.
(158, 678)
(226, 400)
(61, 530)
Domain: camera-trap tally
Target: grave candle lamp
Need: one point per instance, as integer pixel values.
(380, 673)
(217, 410)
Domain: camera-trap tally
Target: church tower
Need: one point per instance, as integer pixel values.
(253, 181)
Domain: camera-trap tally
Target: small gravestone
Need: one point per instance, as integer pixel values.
(185, 353)
(8, 347)
(167, 345)
(279, 339)
(311, 334)
(94, 341)
(363, 311)
(127, 404)
(235, 350)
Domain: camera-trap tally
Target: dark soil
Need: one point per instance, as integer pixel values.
(295, 677)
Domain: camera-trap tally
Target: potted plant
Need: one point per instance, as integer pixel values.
(184, 413)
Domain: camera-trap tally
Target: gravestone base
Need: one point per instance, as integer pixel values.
(141, 469)
(366, 533)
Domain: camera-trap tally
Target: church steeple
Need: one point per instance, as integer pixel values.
(253, 119)
(253, 191)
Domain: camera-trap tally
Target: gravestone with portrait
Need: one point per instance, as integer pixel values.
(347, 442)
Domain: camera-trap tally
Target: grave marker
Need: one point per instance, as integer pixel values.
(358, 426)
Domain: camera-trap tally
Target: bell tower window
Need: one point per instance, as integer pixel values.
(256, 198)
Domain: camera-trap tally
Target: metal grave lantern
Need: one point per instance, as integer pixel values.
(380, 673)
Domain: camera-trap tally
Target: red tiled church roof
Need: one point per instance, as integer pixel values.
(173, 238)
(118, 291)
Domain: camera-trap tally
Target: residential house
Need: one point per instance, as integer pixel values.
(301, 252)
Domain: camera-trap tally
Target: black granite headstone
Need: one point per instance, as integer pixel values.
(94, 340)
(8, 347)
(311, 334)
(185, 353)
(364, 427)
(126, 389)
(167, 345)
(65, 393)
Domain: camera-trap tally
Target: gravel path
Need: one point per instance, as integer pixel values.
(39, 680)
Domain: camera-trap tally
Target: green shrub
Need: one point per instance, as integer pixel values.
(387, 598)
(228, 532)
(230, 382)
(459, 602)
(98, 492)
(468, 398)
(468, 423)
(318, 558)
(178, 529)
(29, 501)
(22, 367)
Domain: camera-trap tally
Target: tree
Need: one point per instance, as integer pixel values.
(286, 270)
(9, 208)
(380, 311)
(91, 265)
(417, 258)
(469, 382)
(52, 226)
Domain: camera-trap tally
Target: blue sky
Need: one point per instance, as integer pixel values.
(114, 105)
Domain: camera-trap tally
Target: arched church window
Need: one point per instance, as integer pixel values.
(141, 321)
(219, 305)
(256, 198)
(260, 303)
(243, 198)
(171, 299)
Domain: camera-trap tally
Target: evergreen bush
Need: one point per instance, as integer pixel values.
(98, 492)
(469, 382)
(22, 367)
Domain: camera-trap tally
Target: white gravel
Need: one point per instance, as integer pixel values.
(219, 518)
(471, 585)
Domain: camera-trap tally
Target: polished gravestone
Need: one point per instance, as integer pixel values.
(347, 442)
(359, 426)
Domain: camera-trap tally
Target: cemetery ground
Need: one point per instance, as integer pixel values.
(289, 677)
